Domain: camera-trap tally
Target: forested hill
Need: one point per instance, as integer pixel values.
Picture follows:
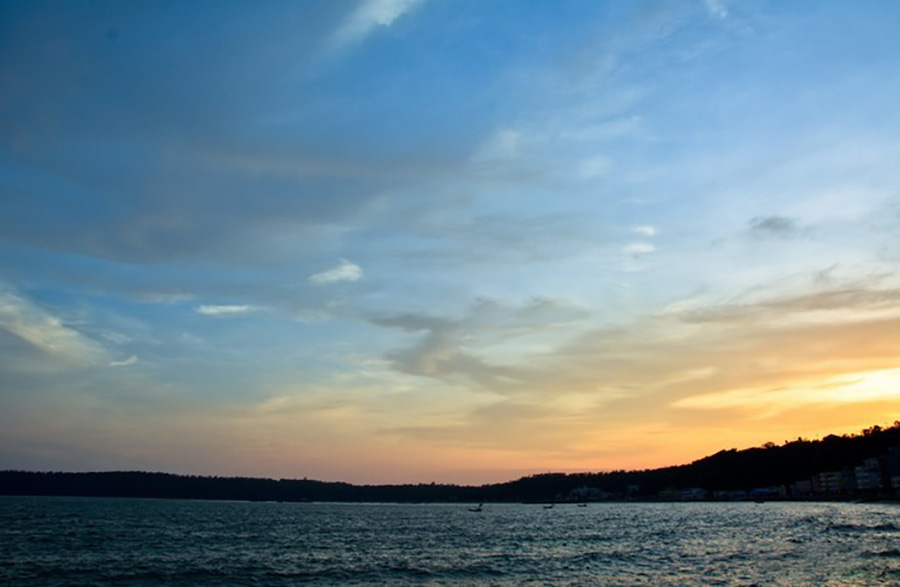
(786, 467)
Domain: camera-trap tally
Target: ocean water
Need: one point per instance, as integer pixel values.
(87, 541)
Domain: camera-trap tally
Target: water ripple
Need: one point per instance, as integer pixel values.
(72, 541)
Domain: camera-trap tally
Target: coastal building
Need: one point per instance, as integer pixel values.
(868, 475)
(670, 493)
(730, 494)
(586, 493)
(802, 488)
(768, 492)
(693, 493)
(829, 483)
(892, 467)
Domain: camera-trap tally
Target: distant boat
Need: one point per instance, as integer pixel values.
(478, 509)
(582, 505)
(549, 507)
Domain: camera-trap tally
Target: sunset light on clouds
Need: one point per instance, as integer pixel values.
(443, 240)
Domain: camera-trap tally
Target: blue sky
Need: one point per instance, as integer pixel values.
(415, 240)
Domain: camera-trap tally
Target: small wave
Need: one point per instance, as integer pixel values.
(863, 528)
(335, 576)
(887, 527)
(889, 553)
(408, 570)
(889, 575)
(599, 537)
(606, 557)
(472, 571)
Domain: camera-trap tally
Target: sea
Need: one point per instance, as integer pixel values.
(107, 541)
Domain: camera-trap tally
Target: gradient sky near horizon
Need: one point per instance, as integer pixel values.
(443, 240)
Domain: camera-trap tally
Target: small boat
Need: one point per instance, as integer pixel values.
(582, 505)
(549, 507)
(478, 509)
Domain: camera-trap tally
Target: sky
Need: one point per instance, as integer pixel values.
(443, 240)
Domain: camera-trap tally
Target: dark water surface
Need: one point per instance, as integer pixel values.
(85, 541)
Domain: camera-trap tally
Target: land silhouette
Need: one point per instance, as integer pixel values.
(852, 466)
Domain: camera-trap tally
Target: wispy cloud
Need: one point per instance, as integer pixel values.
(132, 360)
(716, 8)
(478, 345)
(644, 230)
(866, 386)
(435, 355)
(594, 167)
(226, 310)
(116, 337)
(773, 225)
(346, 271)
(638, 248)
(835, 305)
(368, 16)
(164, 297)
(46, 332)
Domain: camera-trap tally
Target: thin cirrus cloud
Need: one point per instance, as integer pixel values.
(132, 360)
(716, 8)
(777, 226)
(226, 310)
(644, 230)
(475, 347)
(346, 271)
(47, 332)
(370, 15)
(846, 388)
(639, 248)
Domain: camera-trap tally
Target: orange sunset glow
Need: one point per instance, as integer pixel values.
(405, 241)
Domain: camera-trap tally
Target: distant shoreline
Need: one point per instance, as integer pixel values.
(563, 504)
(857, 467)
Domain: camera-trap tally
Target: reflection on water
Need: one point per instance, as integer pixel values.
(77, 541)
